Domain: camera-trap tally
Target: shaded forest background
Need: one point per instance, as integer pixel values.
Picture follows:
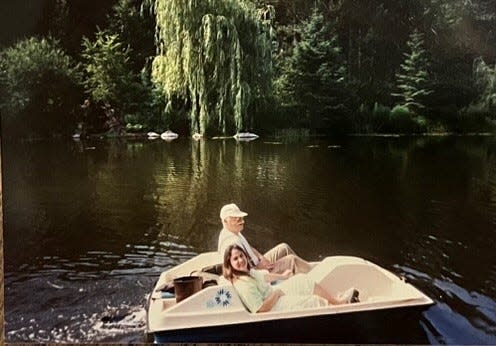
(341, 66)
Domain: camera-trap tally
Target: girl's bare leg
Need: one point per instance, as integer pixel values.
(321, 292)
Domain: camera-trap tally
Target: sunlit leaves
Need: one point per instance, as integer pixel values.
(108, 73)
(215, 55)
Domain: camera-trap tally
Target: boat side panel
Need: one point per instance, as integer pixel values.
(212, 305)
(363, 327)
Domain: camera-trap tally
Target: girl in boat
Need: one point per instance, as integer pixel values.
(255, 291)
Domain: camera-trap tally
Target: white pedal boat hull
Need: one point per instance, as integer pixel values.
(245, 136)
(210, 313)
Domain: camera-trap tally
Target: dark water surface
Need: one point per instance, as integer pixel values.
(90, 225)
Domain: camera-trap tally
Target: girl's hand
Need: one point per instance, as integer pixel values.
(287, 273)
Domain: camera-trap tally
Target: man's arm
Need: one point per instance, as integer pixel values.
(263, 262)
(259, 255)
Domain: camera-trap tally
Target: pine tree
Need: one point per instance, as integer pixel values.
(313, 77)
(136, 29)
(413, 78)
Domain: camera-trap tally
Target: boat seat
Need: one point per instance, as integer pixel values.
(213, 269)
(206, 277)
(208, 280)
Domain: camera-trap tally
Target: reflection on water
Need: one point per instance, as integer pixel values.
(90, 225)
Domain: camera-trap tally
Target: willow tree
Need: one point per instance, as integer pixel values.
(215, 56)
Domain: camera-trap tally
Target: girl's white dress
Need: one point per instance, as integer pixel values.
(298, 292)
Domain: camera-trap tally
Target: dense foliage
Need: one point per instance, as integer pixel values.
(313, 79)
(375, 36)
(39, 88)
(108, 71)
(215, 66)
(118, 67)
(71, 20)
(215, 58)
(134, 24)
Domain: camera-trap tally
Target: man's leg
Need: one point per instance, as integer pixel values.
(278, 252)
(292, 262)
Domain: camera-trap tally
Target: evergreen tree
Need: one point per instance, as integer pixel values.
(313, 77)
(136, 29)
(413, 78)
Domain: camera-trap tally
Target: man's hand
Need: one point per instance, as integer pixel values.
(265, 264)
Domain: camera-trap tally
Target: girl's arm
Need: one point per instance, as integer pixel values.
(271, 300)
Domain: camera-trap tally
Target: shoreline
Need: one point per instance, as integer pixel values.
(141, 136)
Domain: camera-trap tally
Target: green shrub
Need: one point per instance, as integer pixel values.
(380, 111)
(474, 118)
(380, 118)
(400, 112)
(436, 126)
(40, 88)
(135, 28)
(361, 120)
(402, 120)
(134, 127)
(109, 78)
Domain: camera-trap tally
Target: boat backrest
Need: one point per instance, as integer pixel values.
(338, 274)
(359, 276)
(213, 269)
(194, 264)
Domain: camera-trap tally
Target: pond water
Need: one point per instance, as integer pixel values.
(89, 225)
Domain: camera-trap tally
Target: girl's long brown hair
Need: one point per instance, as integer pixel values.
(227, 270)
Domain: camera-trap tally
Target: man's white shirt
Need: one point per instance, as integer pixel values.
(227, 238)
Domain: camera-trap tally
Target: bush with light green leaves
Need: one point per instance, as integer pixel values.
(40, 89)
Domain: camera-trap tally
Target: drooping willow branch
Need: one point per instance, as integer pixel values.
(216, 56)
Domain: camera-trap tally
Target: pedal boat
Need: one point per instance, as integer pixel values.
(245, 136)
(216, 313)
(168, 135)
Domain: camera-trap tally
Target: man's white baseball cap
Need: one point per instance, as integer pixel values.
(231, 210)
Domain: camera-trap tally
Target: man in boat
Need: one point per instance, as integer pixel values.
(277, 260)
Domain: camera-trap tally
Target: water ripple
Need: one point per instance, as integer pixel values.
(455, 309)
